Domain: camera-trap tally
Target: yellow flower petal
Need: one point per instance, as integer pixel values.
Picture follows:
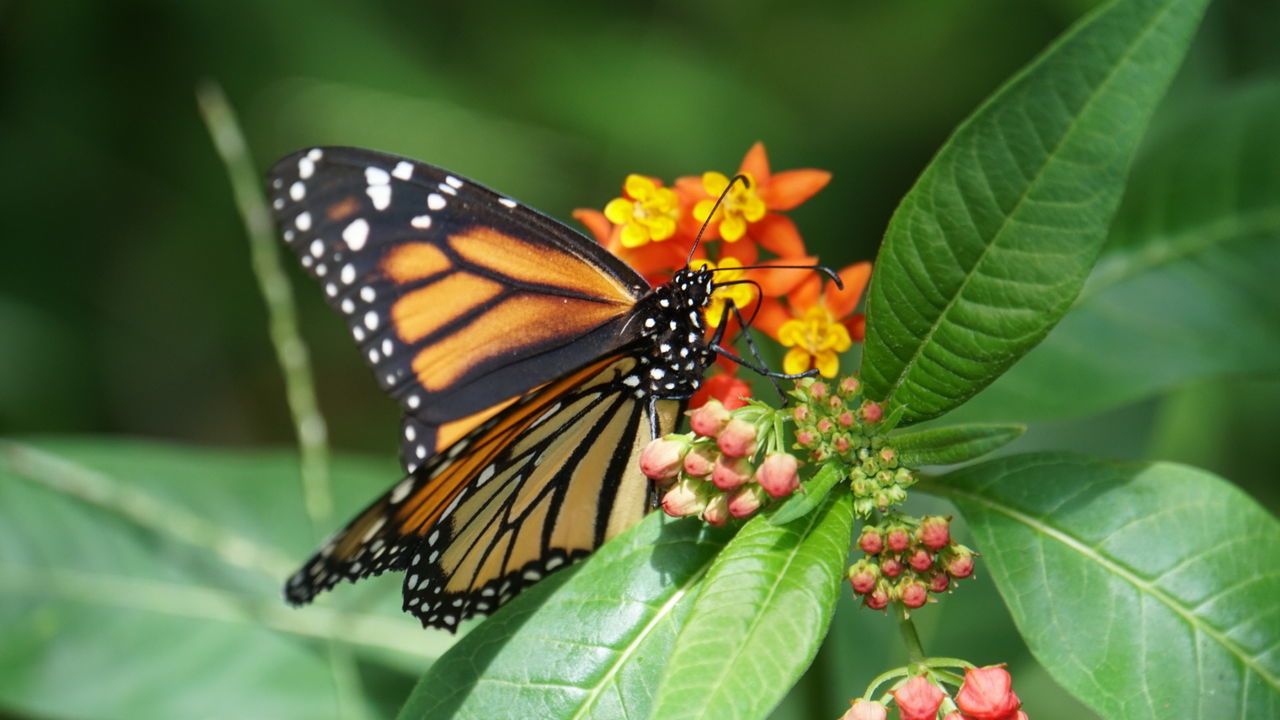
(634, 235)
(638, 187)
(828, 363)
(753, 209)
(714, 312)
(732, 228)
(791, 333)
(702, 210)
(714, 183)
(619, 211)
(661, 228)
(796, 361)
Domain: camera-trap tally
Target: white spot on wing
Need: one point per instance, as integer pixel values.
(401, 490)
(376, 176)
(435, 201)
(356, 234)
(298, 190)
(380, 195)
(422, 222)
(403, 170)
(508, 202)
(303, 221)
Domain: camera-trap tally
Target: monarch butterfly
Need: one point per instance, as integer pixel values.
(531, 365)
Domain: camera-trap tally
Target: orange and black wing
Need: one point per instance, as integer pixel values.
(528, 491)
(460, 299)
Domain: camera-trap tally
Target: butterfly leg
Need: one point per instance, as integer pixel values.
(759, 367)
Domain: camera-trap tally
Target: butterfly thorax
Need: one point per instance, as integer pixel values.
(673, 328)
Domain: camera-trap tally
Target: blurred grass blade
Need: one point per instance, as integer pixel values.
(589, 642)
(1185, 288)
(810, 496)
(291, 352)
(993, 243)
(141, 566)
(953, 444)
(1110, 567)
(762, 612)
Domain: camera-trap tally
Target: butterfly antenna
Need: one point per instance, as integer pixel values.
(820, 268)
(712, 214)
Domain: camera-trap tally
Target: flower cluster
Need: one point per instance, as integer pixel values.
(653, 226)
(905, 563)
(986, 694)
(714, 472)
(836, 422)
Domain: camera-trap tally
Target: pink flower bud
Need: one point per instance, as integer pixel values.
(778, 474)
(953, 716)
(865, 710)
(806, 438)
(888, 456)
(863, 576)
(934, 532)
(818, 390)
(801, 413)
(939, 582)
(897, 539)
(918, 699)
(959, 562)
(661, 458)
(920, 560)
(845, 419)
(871, 412)
(849, 387)
(891, 566)
(746, 500)
(834, 403)
(737, 439)
(913, 594)
(717, 510)
(685, 498)
(870, 541)
(699, 461)
(825, 426)
(877, 599)
(709, 419)
(730, 472)
(842, 443)
(987, 694)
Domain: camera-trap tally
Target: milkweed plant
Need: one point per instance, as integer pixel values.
(778, 505)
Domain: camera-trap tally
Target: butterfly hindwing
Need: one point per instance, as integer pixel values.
(527, 492)
(460, 299)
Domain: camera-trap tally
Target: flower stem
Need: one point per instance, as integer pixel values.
(915, 652)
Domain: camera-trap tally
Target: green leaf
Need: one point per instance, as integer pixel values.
(145, 567)
(1185, 288)
(811, 495)
(1147, 590)
(761, 614)
(951, 445)
(993, 243)
(590, 645)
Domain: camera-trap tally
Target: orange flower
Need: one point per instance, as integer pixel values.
(818, 322)
(654, 260)
(731, 390)
(751, 210)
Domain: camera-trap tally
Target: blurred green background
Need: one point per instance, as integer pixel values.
(127, 303)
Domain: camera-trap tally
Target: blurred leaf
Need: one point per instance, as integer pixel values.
(144, 568)
(1186, 286)
(1110, 569)
(952, 444)
(590, 642)
(993, 243)
(810, 496)
(762, 612)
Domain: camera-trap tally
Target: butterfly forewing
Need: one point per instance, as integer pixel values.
(460, 299)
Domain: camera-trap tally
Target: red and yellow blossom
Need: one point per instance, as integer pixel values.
(730, 287)
(752, 211)
(818, 323)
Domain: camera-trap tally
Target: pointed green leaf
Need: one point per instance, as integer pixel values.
(1147, 590)
(993, 243)
(760, 616)
(953, 444)
(591, 645)
(1185, 287)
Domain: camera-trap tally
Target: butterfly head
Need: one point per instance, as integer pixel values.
(674, 329)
